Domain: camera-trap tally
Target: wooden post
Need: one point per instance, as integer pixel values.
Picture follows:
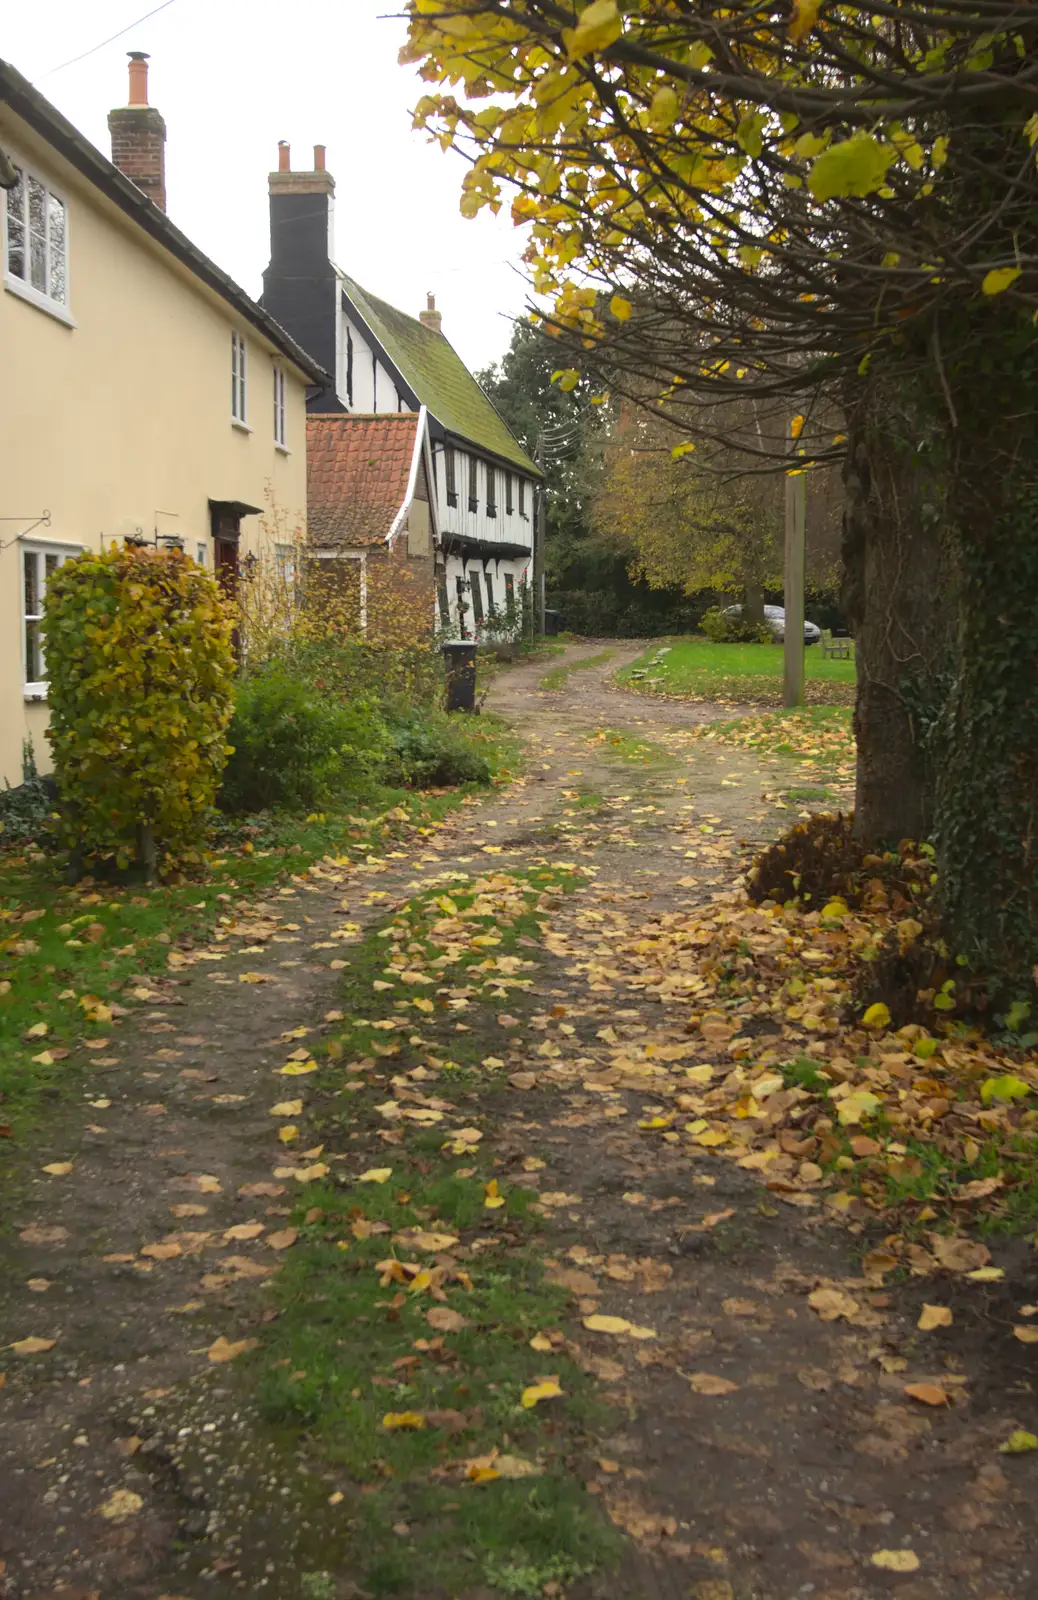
(796, 518)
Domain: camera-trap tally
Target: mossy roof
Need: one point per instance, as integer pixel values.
(440, 380)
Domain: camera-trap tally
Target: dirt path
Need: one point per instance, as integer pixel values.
(763, 1453)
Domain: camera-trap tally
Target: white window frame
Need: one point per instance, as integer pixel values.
(22, 287)
(350, 555)
(240, 380)
(280, 433)
(39, 549)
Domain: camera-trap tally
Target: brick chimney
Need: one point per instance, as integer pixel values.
(300, 287)
(139, 135)
(430, 317)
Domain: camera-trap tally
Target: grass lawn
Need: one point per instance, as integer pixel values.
(556, 678)
(697, 669)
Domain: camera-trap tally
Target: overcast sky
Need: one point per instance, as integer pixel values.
(231, 78)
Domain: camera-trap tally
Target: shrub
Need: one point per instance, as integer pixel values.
(431, 750)
(728, 627)
(296, 748)
(27, 812)
(139, 665)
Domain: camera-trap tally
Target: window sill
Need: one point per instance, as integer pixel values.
(452, 499)
(35, 692)
(282, 449)
(242, 427)
(33, 297)
(473, 505)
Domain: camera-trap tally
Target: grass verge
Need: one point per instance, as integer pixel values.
(556, 678)
(697, 669)
(419, 1344)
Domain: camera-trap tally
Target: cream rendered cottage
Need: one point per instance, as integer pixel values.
(144, 394)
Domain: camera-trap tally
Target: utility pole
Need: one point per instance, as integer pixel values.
(796, 522)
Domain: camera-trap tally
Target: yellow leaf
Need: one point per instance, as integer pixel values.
(1005, 1088)
(928, 1394)
(403, 1419)
(853, 1107)
(493, 1199)
(805, 15)
(597, 27)
(681, 450)
(707, 1383)
(620, 308)
(123, 1503)
(38, 1030)
(999, 279)
(934, 1317)
(711, 1138)
(288, 1133)
(32, 1346)
(287, 1108)
(1019, 1443)
(1025, 1335)
(58, 1169)
(877, 1016)
(535, 1392)
(664, 109)
(896, 1560)
(796, 428)
(223, 1349)
(540, 1341)
(296, 1069)
(376, 1175)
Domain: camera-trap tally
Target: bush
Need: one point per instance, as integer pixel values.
(730, 627)
(295, 748)
(431, 750)
(27, 812)
(139, 665)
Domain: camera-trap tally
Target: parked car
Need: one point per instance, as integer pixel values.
(775, 617)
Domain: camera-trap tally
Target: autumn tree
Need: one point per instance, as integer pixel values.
(822, 207)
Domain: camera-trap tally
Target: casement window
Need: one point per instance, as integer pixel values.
(477, 596)
(279, 409)
(450, 467)
(239, 380)
(36, 243)
(491, 609)
(491, 490)
(39, 563)
(509, 593)
(522, 497)
(444, 603)
(473, 484)
(201, 555)
(509, 504)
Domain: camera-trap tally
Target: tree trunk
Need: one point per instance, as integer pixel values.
(753, 604)
(894, 597)
(986, 744)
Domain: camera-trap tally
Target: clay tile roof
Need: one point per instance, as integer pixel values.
(357, 468)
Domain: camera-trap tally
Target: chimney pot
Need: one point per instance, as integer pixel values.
(139, 136)
(430, 317)
(138, 78)
(319, 157)
(284, 156)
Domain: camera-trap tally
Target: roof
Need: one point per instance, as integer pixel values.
(438, 378)
(47, 121)
(357, 473)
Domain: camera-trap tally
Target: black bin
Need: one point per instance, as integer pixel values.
(551, 624)
(459, 657)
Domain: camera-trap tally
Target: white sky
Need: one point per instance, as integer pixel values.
(231, 78)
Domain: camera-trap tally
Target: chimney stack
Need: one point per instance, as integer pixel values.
(300, 287)
(430, 317)
(139, 135)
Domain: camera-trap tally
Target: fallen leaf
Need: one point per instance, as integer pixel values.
(223, 1349)
(958, 1254)
(376, 1175)
(445, 1320)
(282, 1239)
(420, 1239)
(259, 1191)
(707, 1383)
(32, 1346)
(244, 1230)
(188, 1210)
(492, 1196)
(934, 1317)
(1025, 1335)
(928, 1394)
(599, 1323)
(832, 1303)
(37, 1285)
(403, 1419)
(44, 1233)
(287, 1108)
(896, 1560)
(534, 1393)
(162, 1250)
(1019, 1443)
(58, 1169)
(120, 1505)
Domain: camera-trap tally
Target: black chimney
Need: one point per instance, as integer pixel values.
(299, 285)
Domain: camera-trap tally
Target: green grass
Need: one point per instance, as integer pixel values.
(634, 752)
(353, 1344)
(556, 678)
(697, 669)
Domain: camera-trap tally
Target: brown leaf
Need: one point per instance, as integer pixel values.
(934, 1317)
(958, 1254)
(282, 1240)
(707, 1383)
(223, 1349)
(32, 1346)
(259, 1191)
(928, 1394)
(41, 1233)
(445, 1320)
